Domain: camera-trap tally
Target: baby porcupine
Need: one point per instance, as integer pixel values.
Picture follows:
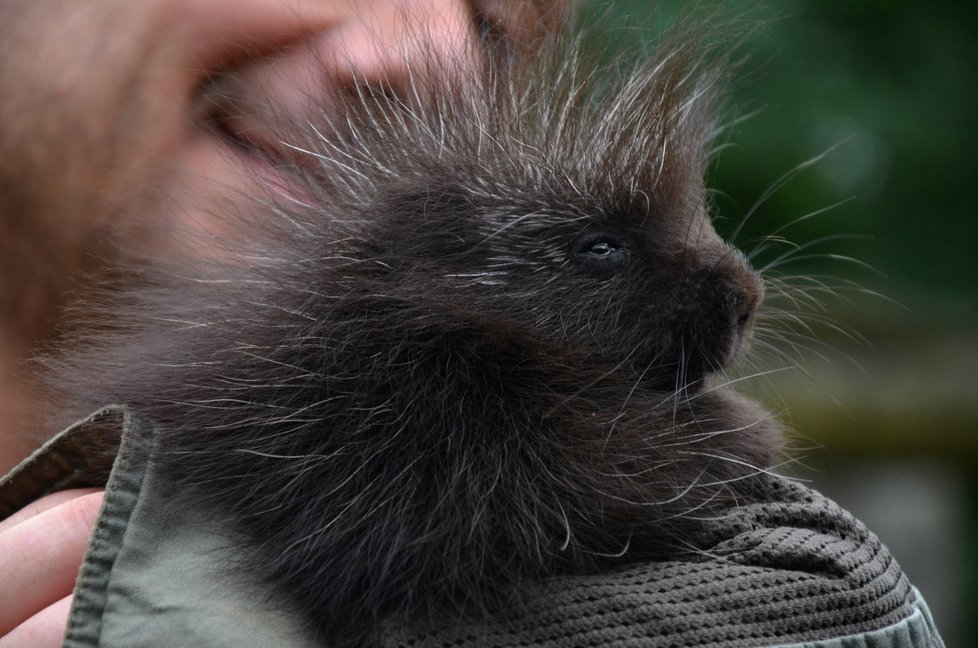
(471, 346)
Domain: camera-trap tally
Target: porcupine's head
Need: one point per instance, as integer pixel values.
(477, 343)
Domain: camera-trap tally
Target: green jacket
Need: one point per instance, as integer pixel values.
(789, 569)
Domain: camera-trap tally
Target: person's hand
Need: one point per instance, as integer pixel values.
(41, 550)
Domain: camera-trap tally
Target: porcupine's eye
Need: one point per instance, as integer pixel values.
(601, 250)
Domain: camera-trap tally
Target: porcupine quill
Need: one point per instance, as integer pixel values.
(477, 347)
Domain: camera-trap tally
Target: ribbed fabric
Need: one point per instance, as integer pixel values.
(789, 567)
(786, 567)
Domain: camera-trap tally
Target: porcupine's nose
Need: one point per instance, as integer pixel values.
(748, 291)
(715, 304)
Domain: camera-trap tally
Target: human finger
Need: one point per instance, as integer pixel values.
(44, 504)
(46, 629)
(40, 557)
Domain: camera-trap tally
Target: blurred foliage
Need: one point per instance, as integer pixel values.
(891, 87)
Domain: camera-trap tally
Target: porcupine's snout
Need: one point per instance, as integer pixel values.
(747, 289)
(715, 301)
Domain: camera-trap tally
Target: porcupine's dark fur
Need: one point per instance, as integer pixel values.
(482, 354)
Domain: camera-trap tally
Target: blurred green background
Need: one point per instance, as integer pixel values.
(885, 413)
